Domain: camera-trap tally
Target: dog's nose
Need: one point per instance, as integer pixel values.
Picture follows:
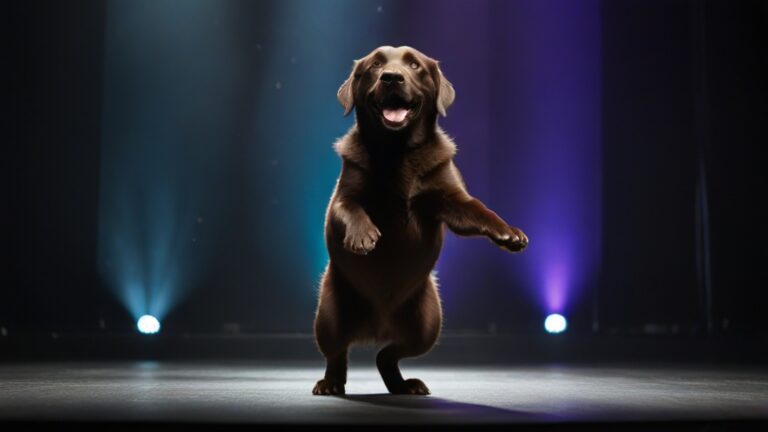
(392, 78)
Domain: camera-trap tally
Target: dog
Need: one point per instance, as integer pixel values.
(397, 189)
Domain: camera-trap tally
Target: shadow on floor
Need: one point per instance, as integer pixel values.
(431, 406)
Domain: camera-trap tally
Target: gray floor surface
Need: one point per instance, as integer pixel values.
(281, 392)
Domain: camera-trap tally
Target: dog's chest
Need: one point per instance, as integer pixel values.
(393, 193)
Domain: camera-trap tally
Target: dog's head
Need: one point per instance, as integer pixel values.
(396, 88)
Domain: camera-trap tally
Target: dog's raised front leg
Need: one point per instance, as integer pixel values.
(360, 233)
(466, 215)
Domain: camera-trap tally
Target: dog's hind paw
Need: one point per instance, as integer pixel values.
(413, 386)
(328, 387)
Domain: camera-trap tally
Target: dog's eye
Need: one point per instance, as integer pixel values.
(377, 64)
(414, 65)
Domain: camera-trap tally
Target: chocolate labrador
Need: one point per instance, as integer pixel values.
(398, 187)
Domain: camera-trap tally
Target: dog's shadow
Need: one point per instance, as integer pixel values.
(430, 405)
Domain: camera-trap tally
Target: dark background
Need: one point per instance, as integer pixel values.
(683, 108)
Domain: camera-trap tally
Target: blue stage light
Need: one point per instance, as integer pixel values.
(555, 323)
(148, 324)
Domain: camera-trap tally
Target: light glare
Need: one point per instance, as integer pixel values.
(555, 323)
(148, 324)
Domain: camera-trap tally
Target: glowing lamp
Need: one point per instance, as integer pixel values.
(555, 323)
(148, 324)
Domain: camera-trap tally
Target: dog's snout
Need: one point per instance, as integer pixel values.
(391, 77)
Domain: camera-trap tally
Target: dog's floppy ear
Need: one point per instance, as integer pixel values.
(445, 92)
(346, 93)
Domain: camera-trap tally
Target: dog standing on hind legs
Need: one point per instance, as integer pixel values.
(398, 187)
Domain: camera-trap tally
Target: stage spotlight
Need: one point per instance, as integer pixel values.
(555, 323)
(148, 324)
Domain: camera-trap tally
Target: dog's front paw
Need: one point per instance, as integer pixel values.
(328, 387)
(512, 239)
(361, 239)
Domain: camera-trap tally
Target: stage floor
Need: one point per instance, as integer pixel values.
(238, 393)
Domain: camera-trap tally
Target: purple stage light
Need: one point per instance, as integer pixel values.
(549, 108)
(527, 121)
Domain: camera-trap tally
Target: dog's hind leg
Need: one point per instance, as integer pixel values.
(417, 327)
(335, 374)
(330, 337)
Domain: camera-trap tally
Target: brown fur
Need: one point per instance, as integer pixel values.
(384, 226)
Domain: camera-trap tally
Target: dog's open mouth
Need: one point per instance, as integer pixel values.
(396, 111)
(395, 115)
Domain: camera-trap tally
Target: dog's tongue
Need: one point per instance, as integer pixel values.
(395, 115)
